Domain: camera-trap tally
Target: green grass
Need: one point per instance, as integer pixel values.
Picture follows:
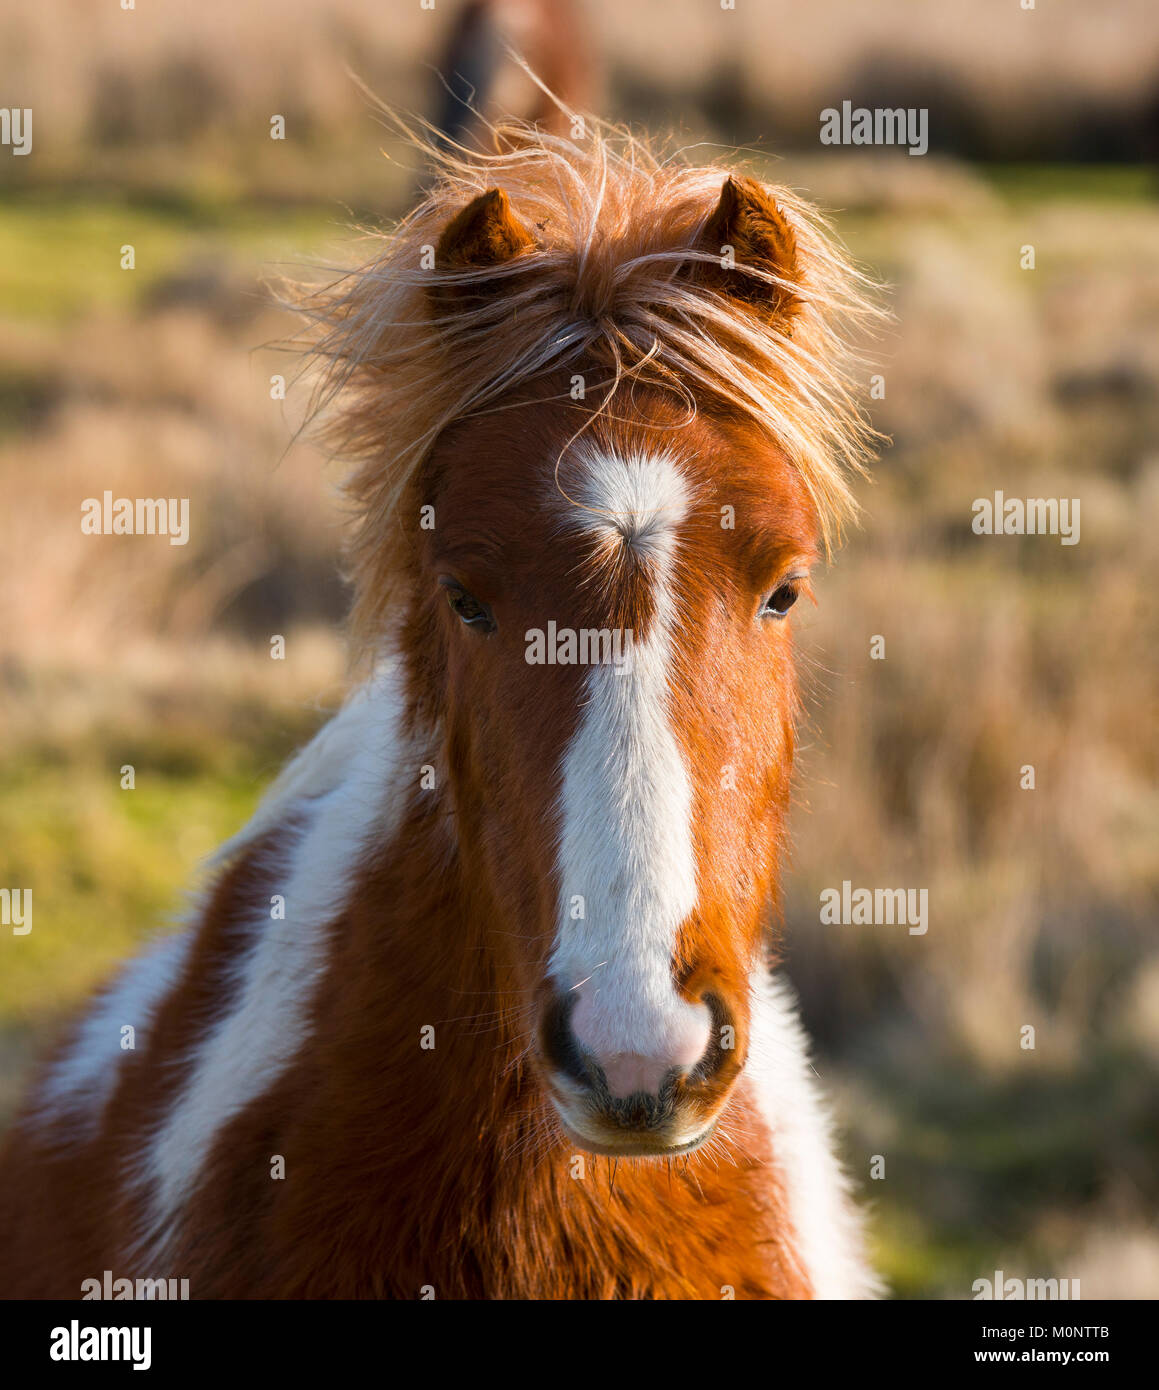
(1035, 183)
(103, 864)
(107, 866)
(61, 256)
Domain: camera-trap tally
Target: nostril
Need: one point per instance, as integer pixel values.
(720, 1038)
(558, 1041)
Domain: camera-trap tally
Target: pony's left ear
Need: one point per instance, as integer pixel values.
(747, 228)
(485, 233)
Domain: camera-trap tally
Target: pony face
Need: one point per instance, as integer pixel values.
(597, 604)
(608, 629)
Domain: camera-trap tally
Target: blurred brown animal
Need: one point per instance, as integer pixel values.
(482, 80)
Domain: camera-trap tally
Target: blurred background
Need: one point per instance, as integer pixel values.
(152, 128)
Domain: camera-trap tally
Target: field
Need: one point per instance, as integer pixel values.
(1000, 652)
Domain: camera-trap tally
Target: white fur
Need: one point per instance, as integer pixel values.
(321, 766)
(347, 781)
(827, 1228)
(626, 802)
(78, 1087)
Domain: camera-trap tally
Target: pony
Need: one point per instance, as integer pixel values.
(485, 1001)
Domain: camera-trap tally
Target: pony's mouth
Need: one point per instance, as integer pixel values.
(642, 1143)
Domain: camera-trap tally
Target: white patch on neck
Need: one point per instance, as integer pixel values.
(347, 781)
(827, 1239)
(626, 843)
(76, 1090)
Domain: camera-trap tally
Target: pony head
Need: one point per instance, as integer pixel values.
(601, 409)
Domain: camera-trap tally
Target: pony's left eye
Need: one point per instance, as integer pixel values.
(781, 599)
(472, 612)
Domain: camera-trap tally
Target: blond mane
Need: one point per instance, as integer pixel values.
(614, 222)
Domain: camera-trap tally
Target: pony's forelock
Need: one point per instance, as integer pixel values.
(614, 221)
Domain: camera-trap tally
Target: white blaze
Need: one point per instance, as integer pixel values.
(626, 844)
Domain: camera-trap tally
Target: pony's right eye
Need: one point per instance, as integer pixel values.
(781, 599)
(471, 612)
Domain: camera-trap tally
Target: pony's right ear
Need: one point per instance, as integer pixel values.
(485, 233)
(748, 230)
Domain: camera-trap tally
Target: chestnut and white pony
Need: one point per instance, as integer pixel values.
(508, 919)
